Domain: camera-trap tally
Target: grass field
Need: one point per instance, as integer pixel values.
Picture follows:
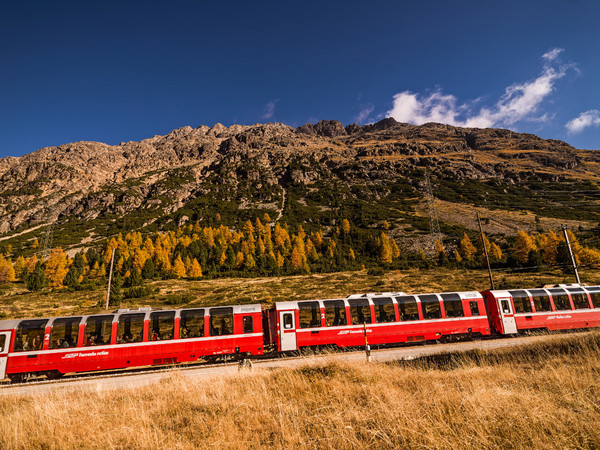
(17, 302)
(543, 395)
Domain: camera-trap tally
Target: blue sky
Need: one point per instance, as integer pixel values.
(119, 71)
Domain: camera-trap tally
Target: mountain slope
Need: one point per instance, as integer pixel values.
(315, 174)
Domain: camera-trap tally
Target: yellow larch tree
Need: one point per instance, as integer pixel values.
(523, 246)
(178, 268)
(495, 252)
(550, 248)
(239, 260)
(7, 270)
(56, 267)
(19, 265)
(345, 226)
(466, 248)
(385, 249)
(195, 270)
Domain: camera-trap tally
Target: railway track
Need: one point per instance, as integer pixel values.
(145, 377)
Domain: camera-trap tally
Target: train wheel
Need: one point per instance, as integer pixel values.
(16, 377)
(53, 375)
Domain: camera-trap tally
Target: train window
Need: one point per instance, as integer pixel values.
(335, 313)
(2, 343)
(64, 332)
(191, 324)
(521, 301)
(430, 305)
(579, 297)
(505, 306)
(309, 314)
(407, 308)
(287, 321)
(474, 308)
(248, 323)
(594, 292)
(360, 311)
(30, 335)
(98, 330)
(453, 305)
(162, 326)
(541, 300)
(130, 328)
(221, 321)
(384, 310)
(561, 299)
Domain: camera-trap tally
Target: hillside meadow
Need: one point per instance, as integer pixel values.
(543, 395)
(17, 302)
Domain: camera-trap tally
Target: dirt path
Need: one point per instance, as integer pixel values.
(145, 379)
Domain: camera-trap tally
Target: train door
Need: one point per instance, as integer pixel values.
(507, 316)
(4, 344)
(287, 334)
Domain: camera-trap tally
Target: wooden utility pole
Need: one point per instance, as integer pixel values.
(112, 260)
(487, 259)
(367, 347)
(564, 228)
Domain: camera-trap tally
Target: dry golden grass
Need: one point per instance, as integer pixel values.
(19, 303)
(503, 221)
(544, 395)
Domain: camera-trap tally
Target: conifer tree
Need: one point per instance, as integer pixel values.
(36, 281)
(249, 262)
(148, 269)
(116, 292)
(72, 277)
(135, 278)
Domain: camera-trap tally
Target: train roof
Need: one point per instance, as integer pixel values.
(237, 309)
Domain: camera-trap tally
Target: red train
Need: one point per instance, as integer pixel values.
(138, 338)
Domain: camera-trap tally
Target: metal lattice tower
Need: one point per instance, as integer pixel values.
(51, 218)
(434, 223)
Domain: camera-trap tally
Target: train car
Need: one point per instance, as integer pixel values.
(556, 307)
(127, 338)
(388, 319)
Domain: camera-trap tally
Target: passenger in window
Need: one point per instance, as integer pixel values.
(66, 344)
(361, 316)
(184, 332)
(336, 319)
(37, 343)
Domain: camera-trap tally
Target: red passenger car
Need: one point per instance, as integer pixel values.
(135, 338)
(389, 319)
(556, 307)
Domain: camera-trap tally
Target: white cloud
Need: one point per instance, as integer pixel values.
(269, 110)
(519, 102)
(552, 54)
(585, 119)
(364, 114)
